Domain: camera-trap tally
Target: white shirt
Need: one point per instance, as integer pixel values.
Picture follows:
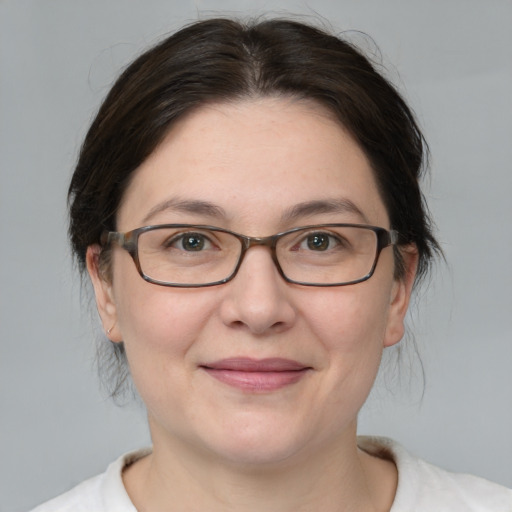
(422, 487)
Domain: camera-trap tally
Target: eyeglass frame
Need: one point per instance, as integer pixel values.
(129, 242)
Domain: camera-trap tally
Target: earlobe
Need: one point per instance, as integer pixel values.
(401, 296)
(103, 292)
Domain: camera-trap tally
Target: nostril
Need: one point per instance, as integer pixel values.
(237, 324)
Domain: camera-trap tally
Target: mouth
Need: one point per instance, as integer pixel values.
(257, 375)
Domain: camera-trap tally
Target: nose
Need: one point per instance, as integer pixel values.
(258, 298)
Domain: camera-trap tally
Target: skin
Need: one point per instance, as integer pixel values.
(217, 447)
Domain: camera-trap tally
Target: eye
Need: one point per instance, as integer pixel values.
(190, 242)
(319, 242)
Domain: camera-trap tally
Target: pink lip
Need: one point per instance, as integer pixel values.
(257, 375)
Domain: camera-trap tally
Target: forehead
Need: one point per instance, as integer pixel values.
(253, 160)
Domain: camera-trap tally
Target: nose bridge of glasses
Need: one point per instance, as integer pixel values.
(254, 241)
(249, 242)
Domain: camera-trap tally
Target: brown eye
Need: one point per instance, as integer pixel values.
(190, 242)
(318, 241)
(193, 242)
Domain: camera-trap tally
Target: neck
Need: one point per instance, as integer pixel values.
(334, 478)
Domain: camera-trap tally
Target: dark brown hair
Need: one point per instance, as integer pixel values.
(222, 60)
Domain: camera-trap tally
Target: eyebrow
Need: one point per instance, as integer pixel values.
(310, 208)
(298, 211)
(194, 206)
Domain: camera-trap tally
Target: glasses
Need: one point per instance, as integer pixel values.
(191, 256)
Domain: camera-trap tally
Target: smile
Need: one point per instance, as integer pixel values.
(251, 375)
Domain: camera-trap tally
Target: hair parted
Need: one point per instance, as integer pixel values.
(221, 60)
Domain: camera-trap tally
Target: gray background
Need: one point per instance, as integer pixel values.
(452, 60)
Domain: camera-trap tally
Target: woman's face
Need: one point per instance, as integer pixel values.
(245, 167)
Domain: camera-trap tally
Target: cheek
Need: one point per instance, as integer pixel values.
(162, 328)
(151, 315)
(162, 320)
(349, 322)
(158, 325)
(351, 327)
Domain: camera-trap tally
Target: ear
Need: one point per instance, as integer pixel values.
(104, 293)
(400, 297)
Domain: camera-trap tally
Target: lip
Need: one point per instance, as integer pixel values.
(257, 375)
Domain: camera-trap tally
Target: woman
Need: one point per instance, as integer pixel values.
(246, 204)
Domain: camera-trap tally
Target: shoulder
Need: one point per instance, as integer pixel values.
(102, 493)
(425, 487)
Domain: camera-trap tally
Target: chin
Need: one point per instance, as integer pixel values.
(260, 442)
